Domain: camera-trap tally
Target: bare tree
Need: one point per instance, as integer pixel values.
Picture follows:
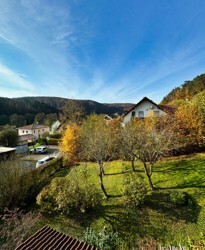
(72, 112)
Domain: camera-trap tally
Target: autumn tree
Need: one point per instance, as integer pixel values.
(128, 141)
(155, 138)
(97, 143)
(188, 125)
(69, 142)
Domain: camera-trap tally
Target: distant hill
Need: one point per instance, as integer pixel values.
(186, 91)
(34, 105)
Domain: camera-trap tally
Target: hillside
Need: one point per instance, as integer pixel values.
(34, 105)
(186, 91)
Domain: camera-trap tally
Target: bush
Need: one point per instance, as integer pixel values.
(56, 135)
(17, 226)
(106, 239)
(179, 198)
(71, 195)
(134, 191)
(41, 141)
(18, 186)
(53, 141)
(15, 184)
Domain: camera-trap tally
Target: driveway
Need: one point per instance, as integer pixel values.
(30, 160)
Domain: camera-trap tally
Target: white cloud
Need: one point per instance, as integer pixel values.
(13, 79)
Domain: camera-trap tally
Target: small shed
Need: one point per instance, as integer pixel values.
(6, 153)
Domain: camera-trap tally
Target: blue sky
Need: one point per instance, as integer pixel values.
(103, 50)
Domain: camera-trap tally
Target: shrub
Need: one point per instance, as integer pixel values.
(179, 198)
(56, 135)
(19, 186)
(134, 191)
(53, 141)
(16, 227)
(106, 239)
(15, 184)
(69, 195)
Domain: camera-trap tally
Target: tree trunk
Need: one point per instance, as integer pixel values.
(148, 176)
(101, 181)
(133, 165)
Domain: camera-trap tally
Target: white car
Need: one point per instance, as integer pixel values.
(39, 150)
(44, 160)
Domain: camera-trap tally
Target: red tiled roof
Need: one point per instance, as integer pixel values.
(50, 239)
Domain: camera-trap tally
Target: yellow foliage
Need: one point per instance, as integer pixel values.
(68, 144)
(189, 124)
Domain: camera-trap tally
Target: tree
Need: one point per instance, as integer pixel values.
(72, 112)
(50, 119)
(68, 144)
(39, 118)
(128, 141)
(155, 138)
(97, 143)
(8, 137)
(17, 120)
(188, 125)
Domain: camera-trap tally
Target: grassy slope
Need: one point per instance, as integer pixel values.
(157, 218)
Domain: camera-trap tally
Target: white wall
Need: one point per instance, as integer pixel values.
(35, 132)
(145, 106)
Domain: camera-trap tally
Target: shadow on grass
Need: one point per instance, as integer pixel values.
(123, 172)
(160, 201)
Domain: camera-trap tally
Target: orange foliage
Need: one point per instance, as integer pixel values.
(188, 125)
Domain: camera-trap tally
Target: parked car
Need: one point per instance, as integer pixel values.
(44, 160)
(39, 150)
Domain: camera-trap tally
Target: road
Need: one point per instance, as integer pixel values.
(29, 161)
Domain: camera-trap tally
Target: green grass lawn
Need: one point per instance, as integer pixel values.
(158, 218)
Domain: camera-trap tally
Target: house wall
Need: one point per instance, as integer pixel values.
(35, 132)
(148, 109)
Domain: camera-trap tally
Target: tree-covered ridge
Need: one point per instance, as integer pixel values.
(34, 105)
(186, 91)
(21, 106)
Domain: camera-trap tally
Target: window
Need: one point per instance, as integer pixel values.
(26, 131)
(43, 130)
(34, 131)
(141, 114)
(133, 113)
(23, 131)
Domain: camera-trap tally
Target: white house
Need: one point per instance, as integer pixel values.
(145, 108)
(55, 126)
(33, 129)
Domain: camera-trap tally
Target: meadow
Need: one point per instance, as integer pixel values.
(158, 218)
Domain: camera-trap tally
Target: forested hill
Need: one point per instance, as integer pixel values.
(186, 91)
(34, 105)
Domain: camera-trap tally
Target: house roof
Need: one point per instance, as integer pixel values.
(162, 107)
(27, 137)
(34, 126)
(48, 238)
(6, 150)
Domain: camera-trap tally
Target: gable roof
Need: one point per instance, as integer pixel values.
(48, 238)
(164, 108)
(34, 126)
